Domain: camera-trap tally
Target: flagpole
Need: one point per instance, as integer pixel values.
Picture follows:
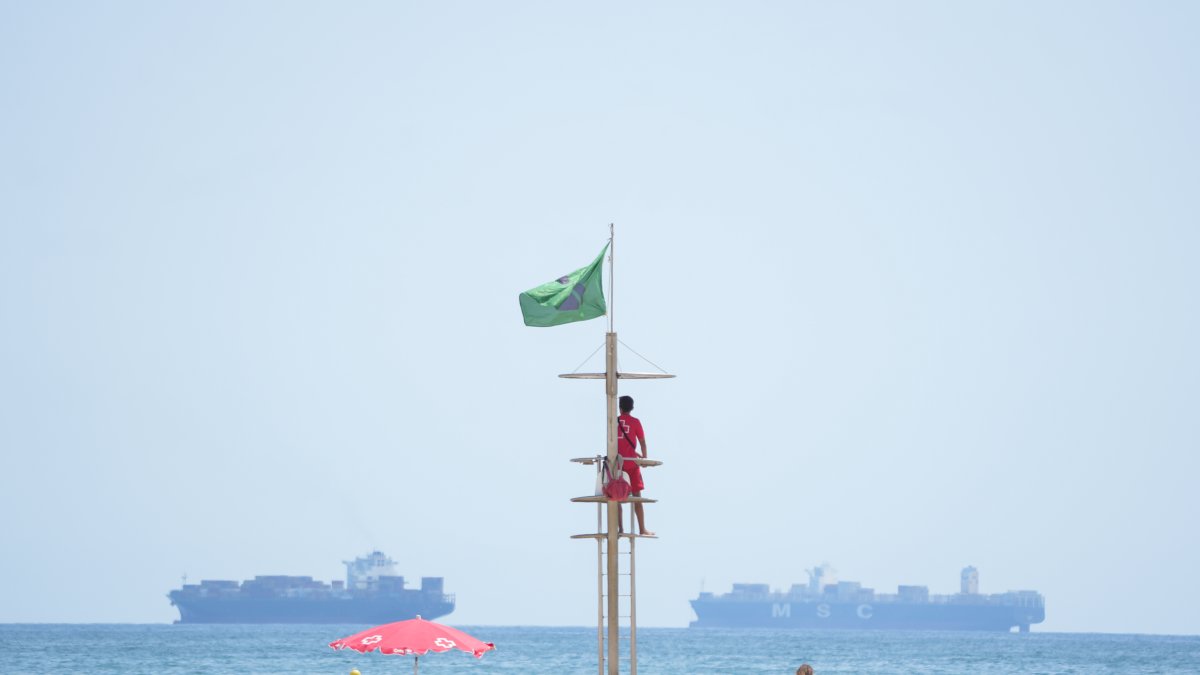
(611, 281)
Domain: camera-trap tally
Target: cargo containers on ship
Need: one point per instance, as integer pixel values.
(371, 593)
(826, 602)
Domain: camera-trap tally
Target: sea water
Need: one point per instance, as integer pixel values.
(179, 649)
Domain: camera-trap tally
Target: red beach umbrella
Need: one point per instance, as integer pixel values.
(415, 636)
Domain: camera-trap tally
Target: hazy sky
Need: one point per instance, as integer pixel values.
(927, 273)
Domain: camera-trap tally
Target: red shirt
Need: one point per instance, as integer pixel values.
(629, 434)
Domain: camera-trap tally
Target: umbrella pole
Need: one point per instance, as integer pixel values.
(415, 659)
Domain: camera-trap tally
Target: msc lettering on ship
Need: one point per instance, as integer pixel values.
(783, 610)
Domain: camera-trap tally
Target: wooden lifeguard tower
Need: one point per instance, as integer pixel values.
(609, 538)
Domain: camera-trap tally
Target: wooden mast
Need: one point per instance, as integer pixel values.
(614, 513)
(614, 509)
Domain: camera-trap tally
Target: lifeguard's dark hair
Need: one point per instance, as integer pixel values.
(626, 404)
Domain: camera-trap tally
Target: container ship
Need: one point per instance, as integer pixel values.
(372, 593)
(825, 602)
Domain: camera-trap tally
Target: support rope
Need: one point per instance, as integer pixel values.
(589, 358)
(660, 368)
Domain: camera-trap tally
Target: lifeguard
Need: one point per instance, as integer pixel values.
(629, 436)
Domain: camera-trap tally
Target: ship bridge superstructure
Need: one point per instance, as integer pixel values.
(365, 571)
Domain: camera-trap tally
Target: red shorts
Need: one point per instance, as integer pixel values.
(635, 475)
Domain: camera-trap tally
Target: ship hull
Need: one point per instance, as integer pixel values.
(862, 615)
(299, 610)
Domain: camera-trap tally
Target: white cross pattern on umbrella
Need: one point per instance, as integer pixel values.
(372, 639)
(445, 643)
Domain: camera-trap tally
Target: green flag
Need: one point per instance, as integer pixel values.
(578, 296)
